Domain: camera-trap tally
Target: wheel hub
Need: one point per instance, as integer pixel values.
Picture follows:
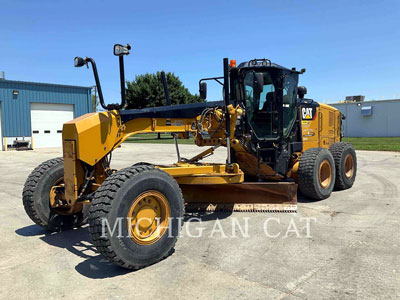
(349, 166)
(325, 174)
(148, 217)
(57, 197)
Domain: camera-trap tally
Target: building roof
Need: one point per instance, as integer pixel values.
(45, 84)
(367, 102)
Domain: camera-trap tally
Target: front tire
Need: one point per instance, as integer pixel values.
(127, 196)
(36, 197)
(316, 173)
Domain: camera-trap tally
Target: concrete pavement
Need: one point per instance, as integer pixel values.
(352, 252)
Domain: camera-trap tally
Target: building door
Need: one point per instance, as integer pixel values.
(47, 120)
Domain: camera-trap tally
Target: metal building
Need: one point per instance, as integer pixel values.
(35, 112)
(378, 118)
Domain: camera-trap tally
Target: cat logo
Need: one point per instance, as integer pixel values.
(307, 113)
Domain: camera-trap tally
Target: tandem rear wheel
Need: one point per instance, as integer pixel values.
(345, 164)
(136, 216)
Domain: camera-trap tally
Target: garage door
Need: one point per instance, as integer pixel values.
(47, 121)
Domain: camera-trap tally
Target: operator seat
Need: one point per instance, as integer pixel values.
(262, 119)
(269, 99)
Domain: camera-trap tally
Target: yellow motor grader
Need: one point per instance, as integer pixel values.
(276, 141)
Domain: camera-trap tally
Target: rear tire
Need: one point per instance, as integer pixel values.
(316, 173)
(114, 203)
(345, 164)
(36, 197)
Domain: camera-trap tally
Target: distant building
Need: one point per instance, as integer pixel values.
(35, 112)
(358, 98)
(377, 118)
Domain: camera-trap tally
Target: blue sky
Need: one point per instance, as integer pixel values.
(347, 47)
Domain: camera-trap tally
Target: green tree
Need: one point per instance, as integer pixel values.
(147, 91)
(95, 103)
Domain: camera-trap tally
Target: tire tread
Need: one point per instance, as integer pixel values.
(101, 206)
(306, 172)
(30, 187)
(337, 150)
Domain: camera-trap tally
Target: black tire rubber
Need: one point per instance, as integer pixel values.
(113, 200)
(308, 173)
(36, 198)
(143, 163)
(339, 152)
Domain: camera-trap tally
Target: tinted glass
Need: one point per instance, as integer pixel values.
(289, 103)
(261, 108)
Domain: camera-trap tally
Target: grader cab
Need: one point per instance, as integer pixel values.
(276, 142)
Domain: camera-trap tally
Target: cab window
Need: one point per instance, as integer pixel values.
(289, 103)
(261, 108)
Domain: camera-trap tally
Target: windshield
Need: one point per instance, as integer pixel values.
(263, 108)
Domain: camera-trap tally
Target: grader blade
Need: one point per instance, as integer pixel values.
(243, 197)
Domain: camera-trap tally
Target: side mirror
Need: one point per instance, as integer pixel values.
(203, 90)
(79, 62)
(258, 83)
(301, 91)
(120, 50)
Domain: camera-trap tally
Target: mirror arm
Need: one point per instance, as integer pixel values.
(98, 85)
(212, 78)
(96, 78)
(122, 79)
(227, 115)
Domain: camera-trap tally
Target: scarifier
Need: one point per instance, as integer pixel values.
(276, 141)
